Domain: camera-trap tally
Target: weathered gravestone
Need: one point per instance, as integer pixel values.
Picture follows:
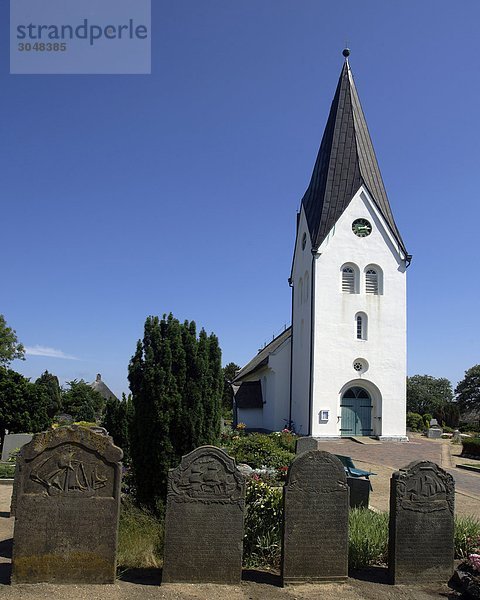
(315, 521)
(66, 503)
(422, 498)
(204, 520)
(304, 444)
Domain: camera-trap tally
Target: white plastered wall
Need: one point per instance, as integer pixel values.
(275, 381)
(301, 327)
(335, 343)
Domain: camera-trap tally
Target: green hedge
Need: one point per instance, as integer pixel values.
(261, 450)
(415, 421)
(7, 471)
(471, 446)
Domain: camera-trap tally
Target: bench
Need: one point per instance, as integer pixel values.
(350, 468)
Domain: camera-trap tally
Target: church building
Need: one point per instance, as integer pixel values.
(340, 368)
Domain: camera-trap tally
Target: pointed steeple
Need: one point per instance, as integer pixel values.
(345, 161)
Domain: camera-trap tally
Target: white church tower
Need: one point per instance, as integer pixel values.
(347, 343)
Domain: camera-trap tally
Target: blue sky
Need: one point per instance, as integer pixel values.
(125, 196)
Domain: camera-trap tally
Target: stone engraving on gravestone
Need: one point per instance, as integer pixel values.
(304, 444)
(422, 498)
(204, 520)
(66, 504)
(315, 520)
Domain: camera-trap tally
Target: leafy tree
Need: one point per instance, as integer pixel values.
(23, 405)
(176, 384)
(81, 401)
(229, 372)
(116, 420)
(49, 383)
(10, 348)
(468, 390)
(427, 394)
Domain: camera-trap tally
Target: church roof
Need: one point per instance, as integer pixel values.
(261, 359)
(248, 395)
(345, 161)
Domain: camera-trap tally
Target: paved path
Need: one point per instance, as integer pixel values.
(386, 457)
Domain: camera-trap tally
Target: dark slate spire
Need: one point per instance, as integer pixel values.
(345, 161)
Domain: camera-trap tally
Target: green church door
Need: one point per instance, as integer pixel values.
(356, 408)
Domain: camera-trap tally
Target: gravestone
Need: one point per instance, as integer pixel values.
(304, 444)
(422, 498)
(204, 520)
(434, 433)
(66, 502)
(359, 491)
(315, 520)
(12, 441)
(457, 437)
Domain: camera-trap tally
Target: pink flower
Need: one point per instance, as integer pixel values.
(474, 560)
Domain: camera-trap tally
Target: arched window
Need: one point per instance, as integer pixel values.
(348, 280)
(300, 290)
(361, 323)
(306, 289)
(373, 280)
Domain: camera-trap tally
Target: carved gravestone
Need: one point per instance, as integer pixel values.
(315, 525)
(304, 444)
(204, 520)
(422, 500)
(66, 502)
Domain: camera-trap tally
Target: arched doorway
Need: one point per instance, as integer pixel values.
(356, 405)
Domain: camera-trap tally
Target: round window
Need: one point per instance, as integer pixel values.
(360, 365)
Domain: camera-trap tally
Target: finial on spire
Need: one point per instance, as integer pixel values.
(346, 52)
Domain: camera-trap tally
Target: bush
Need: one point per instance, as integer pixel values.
(415, 421)
(259, 450)
(471, 446)
(12, 455)
(7, 471)
(285, 439)
(140, 538)
(467, 536)
(427, 417)
(368, 538)
(262, 537)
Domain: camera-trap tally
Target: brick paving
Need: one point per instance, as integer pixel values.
(386, 457)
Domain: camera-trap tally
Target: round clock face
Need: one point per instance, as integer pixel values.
(361, 227)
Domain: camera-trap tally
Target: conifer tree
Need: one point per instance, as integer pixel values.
(176, 383)
(116, 420)
(51, 387)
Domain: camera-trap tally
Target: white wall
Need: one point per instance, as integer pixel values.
(252, 417)
(335, 343)
(301, 327)
(277, 406)
(275, 381)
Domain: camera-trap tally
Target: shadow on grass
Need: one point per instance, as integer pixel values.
(143, 576)
(265, 577)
